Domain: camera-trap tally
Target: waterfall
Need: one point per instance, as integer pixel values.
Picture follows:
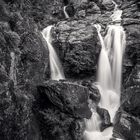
(108, 75)
(13, 68)
(65, 12)
(55, 65)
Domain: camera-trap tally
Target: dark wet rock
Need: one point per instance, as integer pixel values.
(60, 109)
(68, 97)
(70, 10)
(126, 126)
(105, 117)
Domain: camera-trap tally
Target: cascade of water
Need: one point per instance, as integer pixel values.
(13, 68)
(104, 70)
(55, 65)
(108, 75)
(116, 6)
(65, 12)
(115, 42)
(94, 123)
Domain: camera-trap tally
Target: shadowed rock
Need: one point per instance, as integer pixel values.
(68, 97)
(105, 117)
(60, 109)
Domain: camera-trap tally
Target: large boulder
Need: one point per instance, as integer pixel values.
(60, 109)
(68, 97)
(105, 118)
(78, 46)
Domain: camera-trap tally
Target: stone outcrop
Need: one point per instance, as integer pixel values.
(79, 47)
(105, 117)
(60, 109)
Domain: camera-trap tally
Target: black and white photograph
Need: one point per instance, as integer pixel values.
(69, 69)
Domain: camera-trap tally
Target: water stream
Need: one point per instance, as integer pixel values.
(13, 68)
(55, 64)
(108, 76)
(65, 12)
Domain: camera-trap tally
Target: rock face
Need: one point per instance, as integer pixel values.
(62, 106)
(79, 46)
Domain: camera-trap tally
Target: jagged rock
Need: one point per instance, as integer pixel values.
(70, 10)
(126, 126)
(60, 109)
(68, 97)
(105, 117)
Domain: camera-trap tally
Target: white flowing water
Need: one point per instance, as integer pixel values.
(55, 65)
(108, 76)
(65, 12)
(13, 68)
